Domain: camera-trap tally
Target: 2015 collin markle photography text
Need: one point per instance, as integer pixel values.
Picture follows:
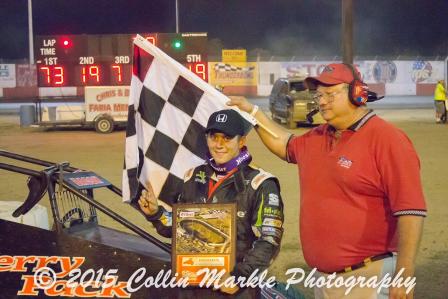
(213, 278)
(71, 280)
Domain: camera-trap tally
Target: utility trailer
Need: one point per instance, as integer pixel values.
(103, 108)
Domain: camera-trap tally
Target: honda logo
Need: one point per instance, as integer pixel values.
(221, 118)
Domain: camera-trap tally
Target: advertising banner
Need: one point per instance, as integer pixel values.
(26, 75)
(112, 100)
(234, 74)
(234, 55)
(302, 68)
(7, 75)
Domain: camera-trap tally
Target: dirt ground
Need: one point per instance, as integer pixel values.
(104, 155)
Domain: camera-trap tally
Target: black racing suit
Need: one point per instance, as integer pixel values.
(259, 212)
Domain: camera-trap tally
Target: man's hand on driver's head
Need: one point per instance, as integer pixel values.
(241, 102)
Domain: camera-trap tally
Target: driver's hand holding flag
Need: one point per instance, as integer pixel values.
(148, 201)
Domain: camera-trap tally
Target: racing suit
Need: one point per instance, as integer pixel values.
(259, 211)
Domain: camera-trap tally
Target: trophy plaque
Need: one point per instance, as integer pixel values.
(204, 236)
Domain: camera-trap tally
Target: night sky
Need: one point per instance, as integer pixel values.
(276, 27)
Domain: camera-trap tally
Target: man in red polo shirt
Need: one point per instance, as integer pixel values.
(362, 204)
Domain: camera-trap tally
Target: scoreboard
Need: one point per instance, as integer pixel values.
(106, 60)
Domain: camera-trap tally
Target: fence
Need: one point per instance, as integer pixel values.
(394, 76)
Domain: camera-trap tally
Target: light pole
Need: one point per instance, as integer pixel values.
(177, 17)
(30, 32)
(347, 31)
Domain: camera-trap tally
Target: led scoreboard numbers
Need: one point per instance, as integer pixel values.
(106, 60)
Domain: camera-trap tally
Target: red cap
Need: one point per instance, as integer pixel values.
(333, 74)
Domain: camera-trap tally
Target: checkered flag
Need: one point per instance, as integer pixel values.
(168, 111)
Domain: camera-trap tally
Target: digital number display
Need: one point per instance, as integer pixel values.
(106, 60)
(52, 75)
(84, 75)
(200, 69)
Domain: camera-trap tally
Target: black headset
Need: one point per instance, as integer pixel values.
(358, 91)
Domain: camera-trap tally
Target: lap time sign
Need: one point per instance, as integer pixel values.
(106, 60)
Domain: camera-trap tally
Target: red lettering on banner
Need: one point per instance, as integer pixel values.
(118, 290)
(6, 263)
(99, 107)
(60, 288)
(81, 291)
(120, 107)
(20, 263)
(105, 95)
(29, 286)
